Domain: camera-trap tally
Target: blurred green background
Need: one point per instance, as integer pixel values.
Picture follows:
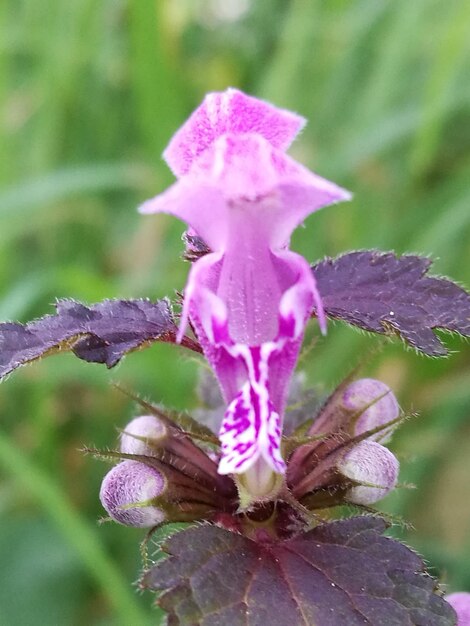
(90, 93)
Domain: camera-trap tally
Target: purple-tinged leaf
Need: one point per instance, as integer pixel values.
(101, 333)
(343, 573)
(383, 293)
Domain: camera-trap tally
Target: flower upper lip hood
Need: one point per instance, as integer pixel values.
(231, 150)
(251, 297)
(245, 173)
(229, 112)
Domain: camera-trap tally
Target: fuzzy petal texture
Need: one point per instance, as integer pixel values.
(460, 602)
(244, 199)
(375, 466)
(376, 404)
(142, 434)
(229, 112)
(243, 182)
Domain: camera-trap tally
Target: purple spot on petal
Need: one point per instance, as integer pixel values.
(287, 326)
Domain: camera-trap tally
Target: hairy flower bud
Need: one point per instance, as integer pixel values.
(132, 483)
(460, 602)
(374, 466)
(142, 434)
(378, 403)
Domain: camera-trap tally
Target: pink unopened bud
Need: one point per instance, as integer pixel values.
(375, 466)
(139, 434)
(460, 602)
(132, 483)
(383, 406)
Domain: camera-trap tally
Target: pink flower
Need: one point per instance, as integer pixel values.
(250, 298)
(460, 602)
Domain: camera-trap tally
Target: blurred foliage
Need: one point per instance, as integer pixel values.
(90, 92)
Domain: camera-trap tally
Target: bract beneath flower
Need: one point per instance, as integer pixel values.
(250, 298)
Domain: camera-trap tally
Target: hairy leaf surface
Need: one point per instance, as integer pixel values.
(101, 333)
(343, 573)
(383, 293)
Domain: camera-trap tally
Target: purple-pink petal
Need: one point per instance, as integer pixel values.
(460, 602)
(251, 427)
(229, 112)
(242, 185)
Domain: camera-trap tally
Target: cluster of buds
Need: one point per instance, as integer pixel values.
(344, 461)
(165, 476)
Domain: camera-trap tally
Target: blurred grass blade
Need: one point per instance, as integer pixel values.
(450, 221)
(77, 532)
(363, 22)
(451, 56)
(22, 295)
(157, 90)
(393, 55)
(301, 23)
(71, 181)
